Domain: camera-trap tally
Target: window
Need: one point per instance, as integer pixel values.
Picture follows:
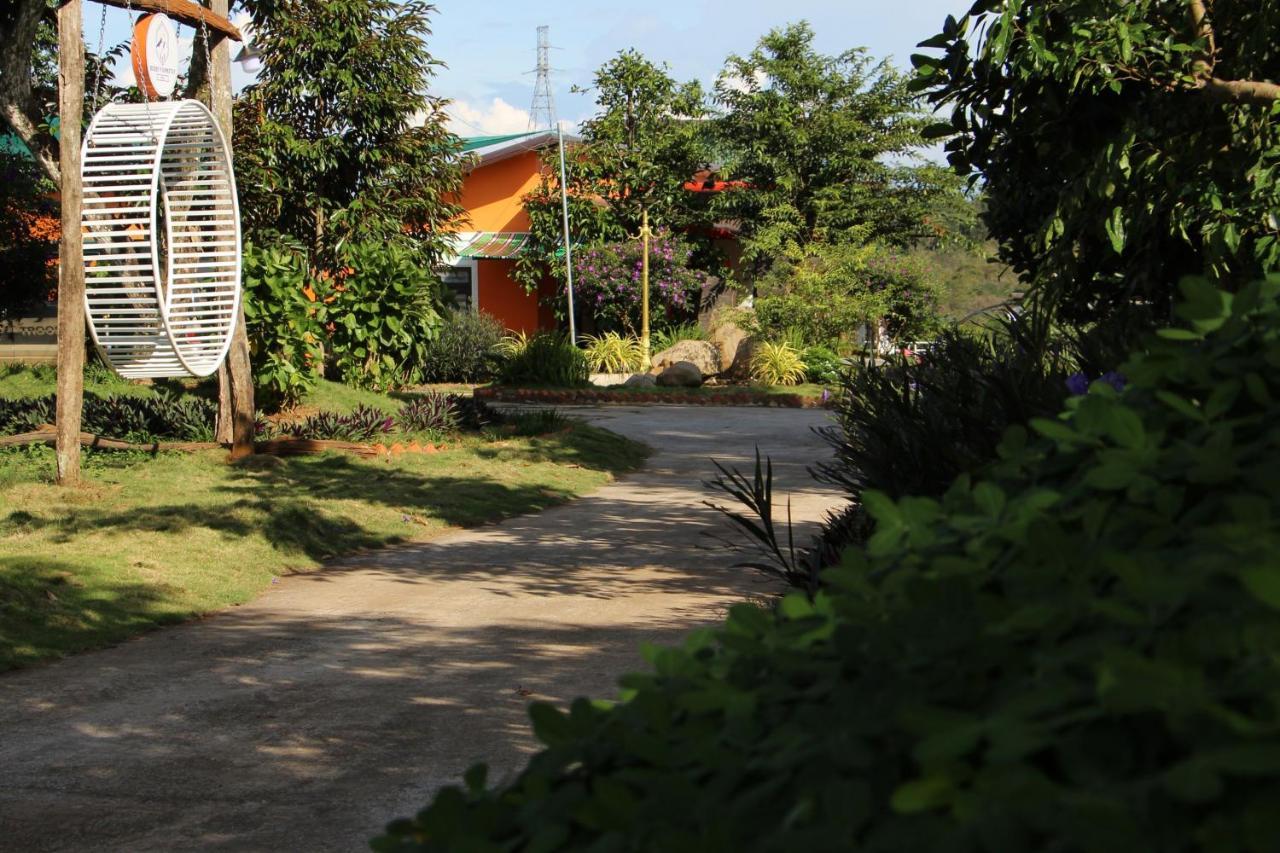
(459, 281)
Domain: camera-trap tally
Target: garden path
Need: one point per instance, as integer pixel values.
(344, 697)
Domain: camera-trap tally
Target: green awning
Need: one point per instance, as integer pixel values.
(474, 142)
(495, 245)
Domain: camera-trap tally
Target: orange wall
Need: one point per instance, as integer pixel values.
(491, 194)
(503, 297)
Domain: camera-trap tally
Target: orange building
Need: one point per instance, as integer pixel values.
(481, 272)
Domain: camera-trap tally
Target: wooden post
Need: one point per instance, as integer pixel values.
(235, 377)
(71, 327)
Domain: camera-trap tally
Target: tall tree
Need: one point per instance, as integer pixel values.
(1123, 143)
(646, 140)
(339, 140)
(823, 147)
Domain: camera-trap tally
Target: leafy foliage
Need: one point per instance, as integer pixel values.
(383, 311)
(160, 416)
(1072, 650)
(283, 323)
(813, 140)
(537, 422)
(612, 352)
(337, 140)
(361, 424)
(429, 412)
(777, 364)
(547, 359)
(29, 231)
(607, 283)
(465, 350)
(823, 366)
(1164, 163)
(644, 142)
(825, 292)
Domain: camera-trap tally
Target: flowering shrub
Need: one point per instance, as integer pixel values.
(606, 283)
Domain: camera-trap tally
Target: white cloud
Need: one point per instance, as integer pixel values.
(497, 117)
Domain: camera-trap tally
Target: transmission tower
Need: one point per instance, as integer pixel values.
(542, 114)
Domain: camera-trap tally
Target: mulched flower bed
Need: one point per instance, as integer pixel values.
(596, 396)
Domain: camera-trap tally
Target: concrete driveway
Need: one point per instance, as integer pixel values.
(344, 697)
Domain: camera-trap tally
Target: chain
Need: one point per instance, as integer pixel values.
(102, 35)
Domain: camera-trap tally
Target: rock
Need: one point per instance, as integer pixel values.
(641, 380)
(682, 374)
(701, 354)
(734, 347)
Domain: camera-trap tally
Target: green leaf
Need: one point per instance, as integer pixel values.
(1263, 582)
(922, 795)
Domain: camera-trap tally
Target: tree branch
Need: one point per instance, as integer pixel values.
(18, 104)
(1230, 91)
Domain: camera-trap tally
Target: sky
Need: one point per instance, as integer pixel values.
(489, 46)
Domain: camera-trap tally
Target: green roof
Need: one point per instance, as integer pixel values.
(474, 142)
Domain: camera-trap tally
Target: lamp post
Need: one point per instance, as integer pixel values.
(645, 363)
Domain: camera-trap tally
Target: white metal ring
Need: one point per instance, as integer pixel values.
(161, 228)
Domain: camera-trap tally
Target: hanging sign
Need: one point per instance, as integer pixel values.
(155, 56)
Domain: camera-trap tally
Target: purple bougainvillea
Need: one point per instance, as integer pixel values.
(607, 278)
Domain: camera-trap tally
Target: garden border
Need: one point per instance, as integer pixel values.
(605, 396)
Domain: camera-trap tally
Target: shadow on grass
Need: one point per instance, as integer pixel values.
(44, 604)
(287, 505)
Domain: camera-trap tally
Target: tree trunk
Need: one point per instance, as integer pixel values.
(71, 327)
(235, 376)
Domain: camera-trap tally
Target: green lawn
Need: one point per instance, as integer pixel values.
(153, 540)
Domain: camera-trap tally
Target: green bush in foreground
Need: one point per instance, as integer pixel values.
(1075, 649)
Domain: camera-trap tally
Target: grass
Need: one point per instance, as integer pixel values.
(154, 540)
(39, 380)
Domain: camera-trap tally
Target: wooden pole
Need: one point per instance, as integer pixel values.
(235, 376)
(71, 328)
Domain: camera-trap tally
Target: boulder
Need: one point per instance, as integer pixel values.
(682, 374)
(701, 354)
(734, 347)
(641, 380)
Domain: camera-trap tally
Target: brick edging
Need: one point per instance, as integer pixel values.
(604, 396)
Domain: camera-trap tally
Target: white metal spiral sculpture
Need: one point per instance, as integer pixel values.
(161, 232)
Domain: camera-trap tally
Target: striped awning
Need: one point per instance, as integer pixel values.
(494, 244)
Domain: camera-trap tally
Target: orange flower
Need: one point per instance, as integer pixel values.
(309, 293)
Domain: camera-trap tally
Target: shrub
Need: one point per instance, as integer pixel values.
(822, 366)
(547, 359)
(777, 364)
(161, 416)
(466, 349)
(475, 414)
(282, 320)
(512, 344)
(613, 353)
(361, 425)
(383, 310)
(824, 292)
(606, 282)
(1072, 650)
(429, 412)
